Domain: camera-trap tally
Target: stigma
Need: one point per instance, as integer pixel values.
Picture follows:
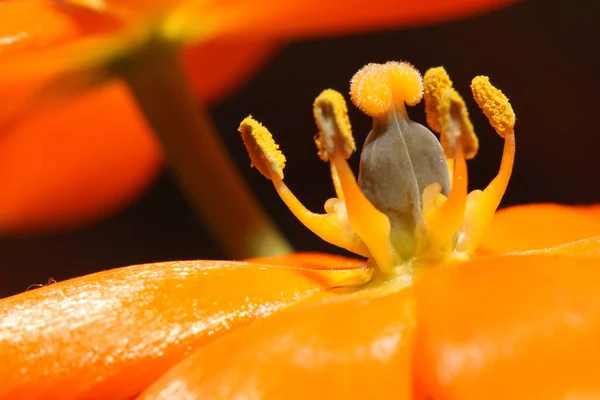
(409, 207)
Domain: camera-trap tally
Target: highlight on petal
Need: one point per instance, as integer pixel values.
(355, 346)
(75, 162)
(29, 25)
(109, 335)
(539, 226)
(509, 327)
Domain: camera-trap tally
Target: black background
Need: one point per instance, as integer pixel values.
(542, 54)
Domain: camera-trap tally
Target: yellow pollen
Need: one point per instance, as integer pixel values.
(376, 88)
(436, 81)
(333, 227)
(495, 105)
(447, 114)
(264, 153)
(335, 133)
(481, 205)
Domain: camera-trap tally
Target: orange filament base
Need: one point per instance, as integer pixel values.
(330, 227)
(370, 224)
(484, 204)
(337, 185)
(443, 222)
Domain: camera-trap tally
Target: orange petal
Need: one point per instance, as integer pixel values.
(29, 25)
(310, 261)
(512, 327)
(353, 347)
(76, 161)
(287, 19)
(218, 67)
(58, 35)
(539, 226)
(109, 335)
(81, 160)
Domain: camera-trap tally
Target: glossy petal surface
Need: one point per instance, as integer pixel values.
(538, 226)
(356, 346)
(111, 334)
(513, 327)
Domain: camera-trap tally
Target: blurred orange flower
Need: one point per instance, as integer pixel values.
(70, 134)
(465, 304)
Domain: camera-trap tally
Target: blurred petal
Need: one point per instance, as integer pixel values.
(109, 335)
(512, 327)
(218, 67)
(539, 226)
(66, 163)
(33, 24)
(291, 19)
(357, 346)
(77, 161)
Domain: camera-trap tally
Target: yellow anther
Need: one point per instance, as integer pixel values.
(436, 81)
(495, 105)
(482, 205)
(457, 128)
(447, 114)
(335, 134)
(376, 88)
(264, 153)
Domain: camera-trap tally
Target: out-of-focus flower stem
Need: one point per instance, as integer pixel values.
(196, 154)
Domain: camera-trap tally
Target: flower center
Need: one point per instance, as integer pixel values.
(410, 206)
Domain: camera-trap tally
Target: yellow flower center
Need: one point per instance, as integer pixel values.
(410, 206)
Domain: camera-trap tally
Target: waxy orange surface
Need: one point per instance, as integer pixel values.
(509, 328)
(111, 334)
(353, 346)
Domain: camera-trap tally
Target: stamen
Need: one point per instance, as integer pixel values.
(447, 114)
(495, 105)
(376, 88)
(335, 133)
(371, 225)
(333, 227)
(483, 205)
(436, 81)
(265, 156)
(334, 100)
(442, 222)
(264, 153)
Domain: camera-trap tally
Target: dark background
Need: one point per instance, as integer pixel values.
(542, 54)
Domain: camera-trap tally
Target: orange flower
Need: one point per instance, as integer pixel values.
(443, 308)
(71, 130)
